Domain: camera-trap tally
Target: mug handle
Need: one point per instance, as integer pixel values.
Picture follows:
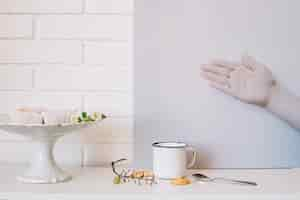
(194, 158)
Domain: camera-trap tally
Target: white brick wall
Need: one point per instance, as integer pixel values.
(13, 78)
(41, 6)
(111, 27)
(69, 54)
(37, 51)
(110, 6)
(79, 79)
(14, 26)
(113, 104)
(108, 53)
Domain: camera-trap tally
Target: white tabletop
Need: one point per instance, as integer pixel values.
(96, 183)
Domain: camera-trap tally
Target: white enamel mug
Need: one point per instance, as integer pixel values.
(170, 159)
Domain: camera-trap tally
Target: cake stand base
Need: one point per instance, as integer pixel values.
(56, 178)
(43, 168)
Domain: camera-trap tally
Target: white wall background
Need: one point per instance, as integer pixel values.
(173, 37)
(69, 54)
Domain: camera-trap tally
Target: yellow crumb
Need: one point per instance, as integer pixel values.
(180, 181)
(141, 174)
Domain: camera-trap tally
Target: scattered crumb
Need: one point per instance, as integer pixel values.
(181, 181)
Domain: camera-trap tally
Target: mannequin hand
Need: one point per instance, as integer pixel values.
(248, 80)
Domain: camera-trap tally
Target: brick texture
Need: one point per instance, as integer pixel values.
(15, 78)
(27, 51)
(66, 54)
(108, 53)
(40, 6)
(109, 6)
(15, 26)
(108, 27)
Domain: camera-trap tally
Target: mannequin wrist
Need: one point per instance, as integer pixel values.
(273, 97)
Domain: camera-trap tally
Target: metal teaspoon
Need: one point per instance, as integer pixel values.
(204, 178)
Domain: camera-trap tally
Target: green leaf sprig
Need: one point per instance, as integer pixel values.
(85, 117)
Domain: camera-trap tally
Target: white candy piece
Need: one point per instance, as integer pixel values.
(57, 116)
(28, 115)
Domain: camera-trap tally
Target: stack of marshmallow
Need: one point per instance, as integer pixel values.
(28, 115)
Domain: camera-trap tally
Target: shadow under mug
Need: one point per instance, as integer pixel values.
(170, 159)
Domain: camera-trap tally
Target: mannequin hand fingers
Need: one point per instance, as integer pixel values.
(223, 88)
(249, 62)
(216, 69)
(214, 77)
(226, 64)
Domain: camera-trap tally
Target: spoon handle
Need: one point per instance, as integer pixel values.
(237, 181)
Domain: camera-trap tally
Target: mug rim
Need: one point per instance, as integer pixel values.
(159, 145)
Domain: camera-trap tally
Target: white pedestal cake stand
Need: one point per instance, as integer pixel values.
(43, 168)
